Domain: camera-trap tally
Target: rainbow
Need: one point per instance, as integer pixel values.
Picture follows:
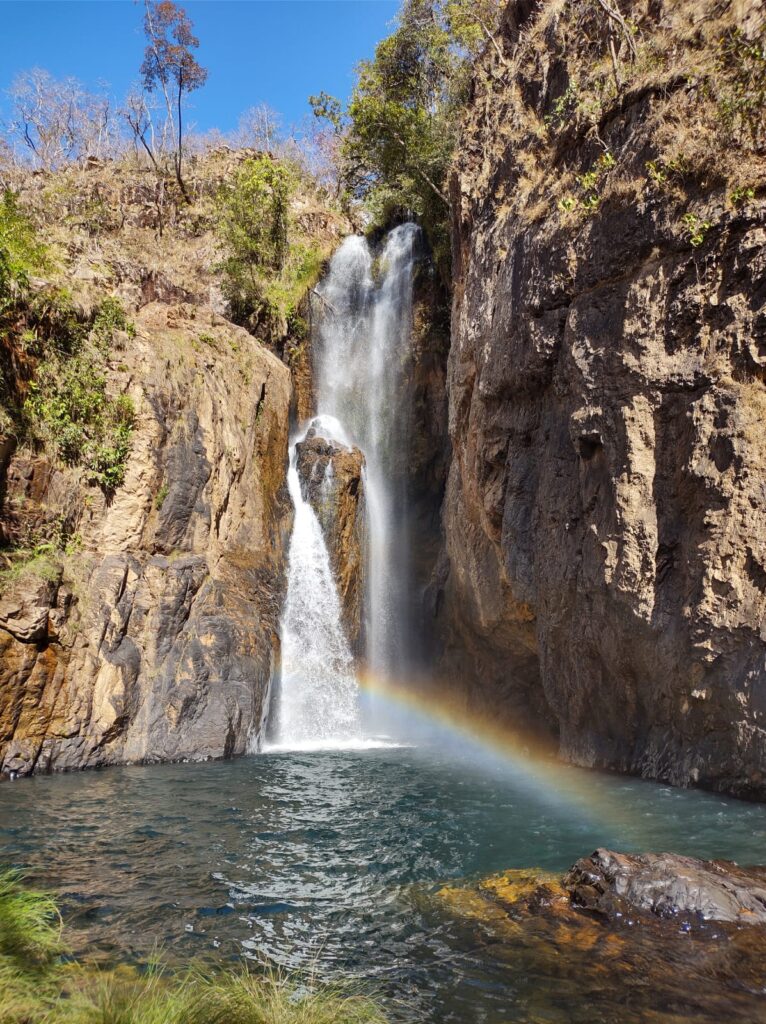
(530, 761)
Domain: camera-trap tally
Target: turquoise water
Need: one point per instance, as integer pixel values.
(329, 859)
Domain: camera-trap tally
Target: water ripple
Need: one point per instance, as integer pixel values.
(325, 859)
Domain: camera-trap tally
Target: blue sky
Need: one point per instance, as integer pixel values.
(257, 51)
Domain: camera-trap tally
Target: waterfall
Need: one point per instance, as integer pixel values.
(360, 349)
(319, 700)
(361, 355)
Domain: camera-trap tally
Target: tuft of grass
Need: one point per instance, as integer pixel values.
(162, 493)
(110, 318)
(245, 998)
(30, 926)
(40, 561)
(36, 987)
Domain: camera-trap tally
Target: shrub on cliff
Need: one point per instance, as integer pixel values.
(21, 253)
(69, 407)
(37, 987)
(268, 264)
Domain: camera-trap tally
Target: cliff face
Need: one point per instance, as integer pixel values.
(605, 553)
(152, 634)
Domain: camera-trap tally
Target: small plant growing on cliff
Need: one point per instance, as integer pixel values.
(741, 195)
(162, 493)
(589, 185)
(695, 228)
(40, 562)
(69, 408)
(656, 172)
(741, 70)
(109, 319)
(562, 108)
(21, 254)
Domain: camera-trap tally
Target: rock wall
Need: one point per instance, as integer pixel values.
(604, 570)
(158, 638)
(332, 481)
(152, 634)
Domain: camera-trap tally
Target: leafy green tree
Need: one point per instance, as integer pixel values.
(472, 24)
(253, 222)
(170, 65)
(400, 128)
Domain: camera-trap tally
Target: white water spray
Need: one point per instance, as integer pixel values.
(319, 695)
(361, 347)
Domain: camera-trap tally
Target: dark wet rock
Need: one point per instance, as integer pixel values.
(604, 565)
(668, 885)
(331, 478)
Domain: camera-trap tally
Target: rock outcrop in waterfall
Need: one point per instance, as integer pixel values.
(605, 564)
(332, 481)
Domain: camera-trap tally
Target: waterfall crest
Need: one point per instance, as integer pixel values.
(360, 348)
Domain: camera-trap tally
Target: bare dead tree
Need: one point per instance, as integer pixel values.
(170, 65)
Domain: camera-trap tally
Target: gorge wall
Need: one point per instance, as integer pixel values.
(604, 571)
(153, 633)
(600, 576)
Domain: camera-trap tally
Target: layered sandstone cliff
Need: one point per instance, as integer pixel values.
(605, 558)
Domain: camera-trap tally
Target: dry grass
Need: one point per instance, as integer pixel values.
(684, 91)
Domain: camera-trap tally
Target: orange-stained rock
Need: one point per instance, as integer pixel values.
(560, 955)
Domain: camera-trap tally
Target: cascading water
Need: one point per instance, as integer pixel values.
(361, 352)
(319, 700)
(361, 345)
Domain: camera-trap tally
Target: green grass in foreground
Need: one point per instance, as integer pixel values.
(38, 987)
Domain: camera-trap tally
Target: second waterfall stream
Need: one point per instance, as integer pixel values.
(361, 340)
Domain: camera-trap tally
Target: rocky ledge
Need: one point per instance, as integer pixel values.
(667, 885)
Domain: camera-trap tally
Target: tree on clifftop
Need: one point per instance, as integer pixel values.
(398, 132)
(170, 65)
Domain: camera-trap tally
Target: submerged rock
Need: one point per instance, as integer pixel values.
(667, 938)
(332, 482)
